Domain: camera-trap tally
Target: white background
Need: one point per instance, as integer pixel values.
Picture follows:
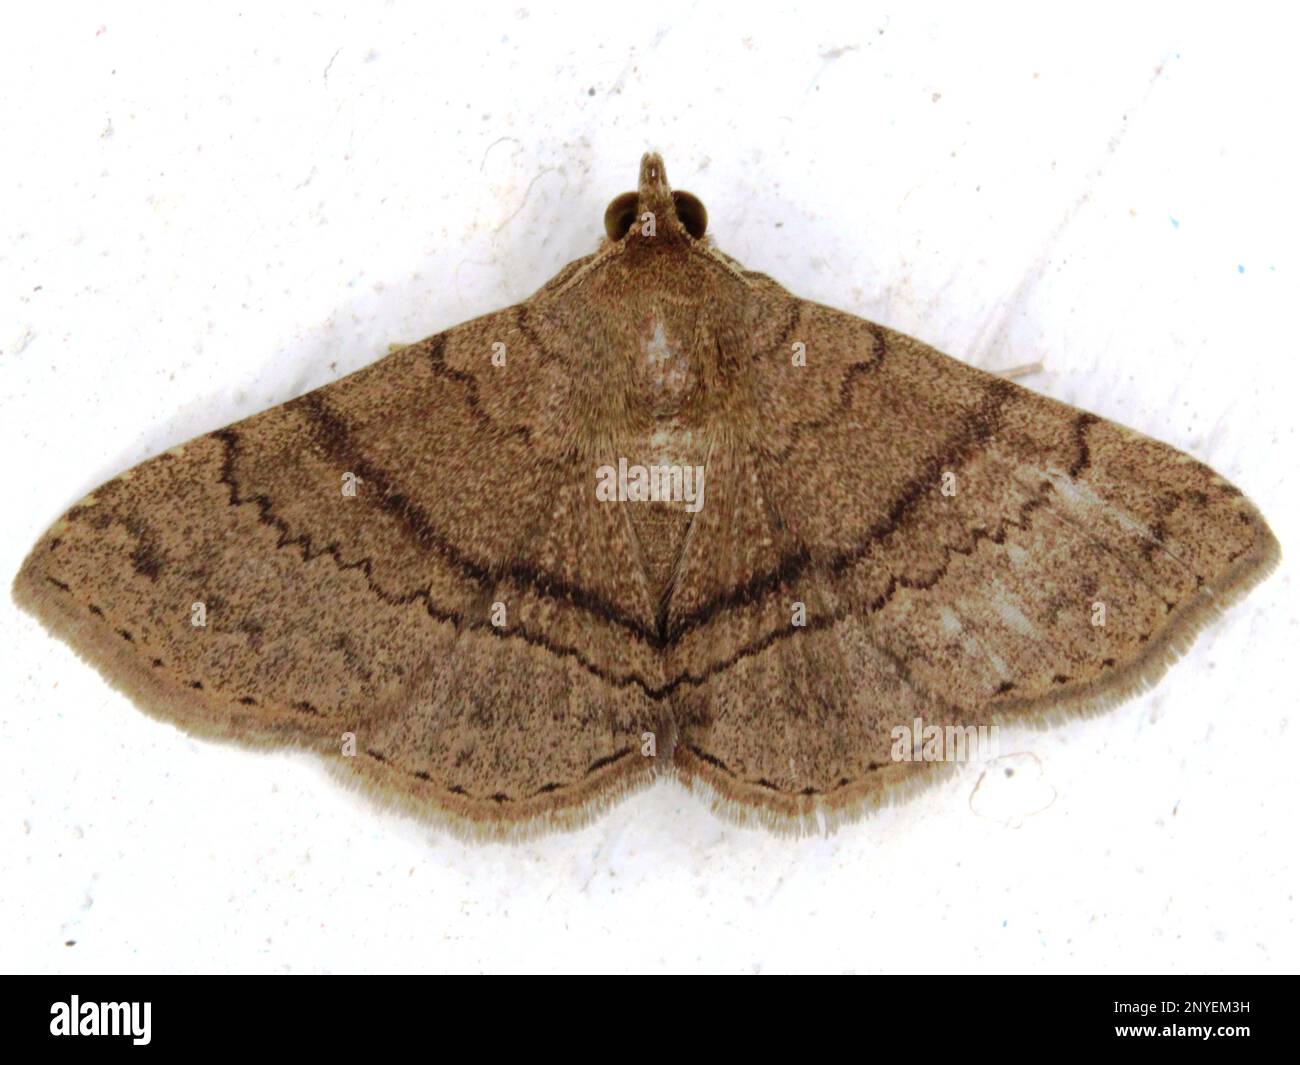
(203, 213)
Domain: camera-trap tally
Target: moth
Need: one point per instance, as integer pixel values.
(474, 575)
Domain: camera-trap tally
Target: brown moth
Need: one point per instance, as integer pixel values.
(661, 518)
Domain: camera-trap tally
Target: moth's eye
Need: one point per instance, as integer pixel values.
(619, 215)
(691, 213)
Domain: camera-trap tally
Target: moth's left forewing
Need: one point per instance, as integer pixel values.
(400, 558)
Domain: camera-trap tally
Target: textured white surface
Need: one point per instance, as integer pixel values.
(203, 214)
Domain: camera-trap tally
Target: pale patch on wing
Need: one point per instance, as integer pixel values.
(1080, 498)
(970, 640)
(1012, 616)
(949, 620)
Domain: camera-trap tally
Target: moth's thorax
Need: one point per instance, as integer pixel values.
(666, 377)
(664, 369)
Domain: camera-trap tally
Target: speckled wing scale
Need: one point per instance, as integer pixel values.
(410, 570)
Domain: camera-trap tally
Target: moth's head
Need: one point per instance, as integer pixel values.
(655, 210)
